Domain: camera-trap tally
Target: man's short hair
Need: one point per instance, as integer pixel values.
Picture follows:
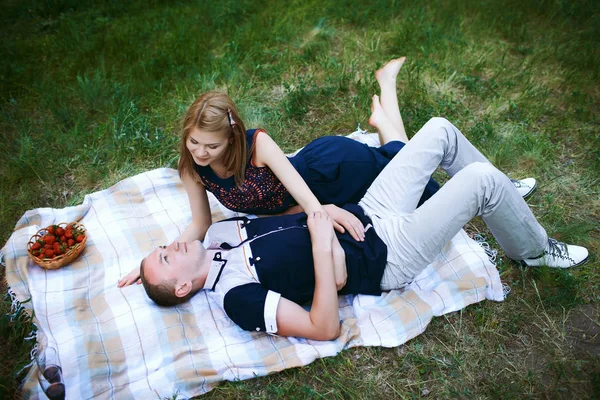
(162, 293)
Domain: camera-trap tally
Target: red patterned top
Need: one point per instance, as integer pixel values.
(261, 192)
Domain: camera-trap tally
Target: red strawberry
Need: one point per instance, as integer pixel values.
(79, 238)
(70, 242)
(59, 231)
(69, 234)
(48, 246)
(49, 253)
(63, 238)
(36, 246)
(50, 229)
(49, 239)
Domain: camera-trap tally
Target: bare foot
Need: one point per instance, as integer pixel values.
(388, 73)
(378, 117)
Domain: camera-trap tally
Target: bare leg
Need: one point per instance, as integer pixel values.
(386, 77)
(380, 121)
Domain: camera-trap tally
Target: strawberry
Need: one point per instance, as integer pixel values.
(49, 253)
(49, 239)
(36, 246)
(59, 231)
(70, 242)
(79, 238)
(50, 229)
(63, 239)
(48, 246)
(69, 234)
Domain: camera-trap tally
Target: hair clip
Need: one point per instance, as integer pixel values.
(232, 122)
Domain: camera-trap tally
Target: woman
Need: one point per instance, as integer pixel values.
(248, 172)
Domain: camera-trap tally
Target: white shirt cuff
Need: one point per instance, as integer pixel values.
(271, 303)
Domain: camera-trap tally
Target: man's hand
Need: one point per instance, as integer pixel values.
(130, 278)
(322, 236)
(322, 322)
(321, 229)
(345, 219)
(339, 265)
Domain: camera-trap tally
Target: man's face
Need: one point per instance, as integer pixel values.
(178, 261)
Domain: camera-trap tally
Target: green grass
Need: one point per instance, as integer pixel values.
(93, 91)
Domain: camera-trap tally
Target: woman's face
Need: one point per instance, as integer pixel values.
(206, 147)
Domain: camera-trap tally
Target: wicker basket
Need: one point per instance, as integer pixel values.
(63, 259)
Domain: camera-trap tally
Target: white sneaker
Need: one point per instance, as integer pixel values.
(559, 255)
(525, 186)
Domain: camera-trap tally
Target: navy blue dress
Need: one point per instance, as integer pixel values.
(337, 170)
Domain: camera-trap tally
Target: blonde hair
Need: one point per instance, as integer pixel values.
(215, 112)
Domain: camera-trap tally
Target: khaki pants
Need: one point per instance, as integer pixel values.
(415, 236)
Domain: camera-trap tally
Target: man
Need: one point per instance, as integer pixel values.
(262, 269)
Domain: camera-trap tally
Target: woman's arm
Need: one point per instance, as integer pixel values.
(201, 216)
(270, 155)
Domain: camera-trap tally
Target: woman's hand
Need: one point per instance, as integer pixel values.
(130, 278)
(345, 220)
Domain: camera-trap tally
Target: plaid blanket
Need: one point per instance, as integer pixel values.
(115, 343)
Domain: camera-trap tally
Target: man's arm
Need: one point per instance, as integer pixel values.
(339, 264)
(322, 322)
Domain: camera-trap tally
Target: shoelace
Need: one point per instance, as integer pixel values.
(362, 131)
(505, 289)
(518, 184)
(557, 249)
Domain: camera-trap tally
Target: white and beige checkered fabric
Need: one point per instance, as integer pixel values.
(115, 343)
